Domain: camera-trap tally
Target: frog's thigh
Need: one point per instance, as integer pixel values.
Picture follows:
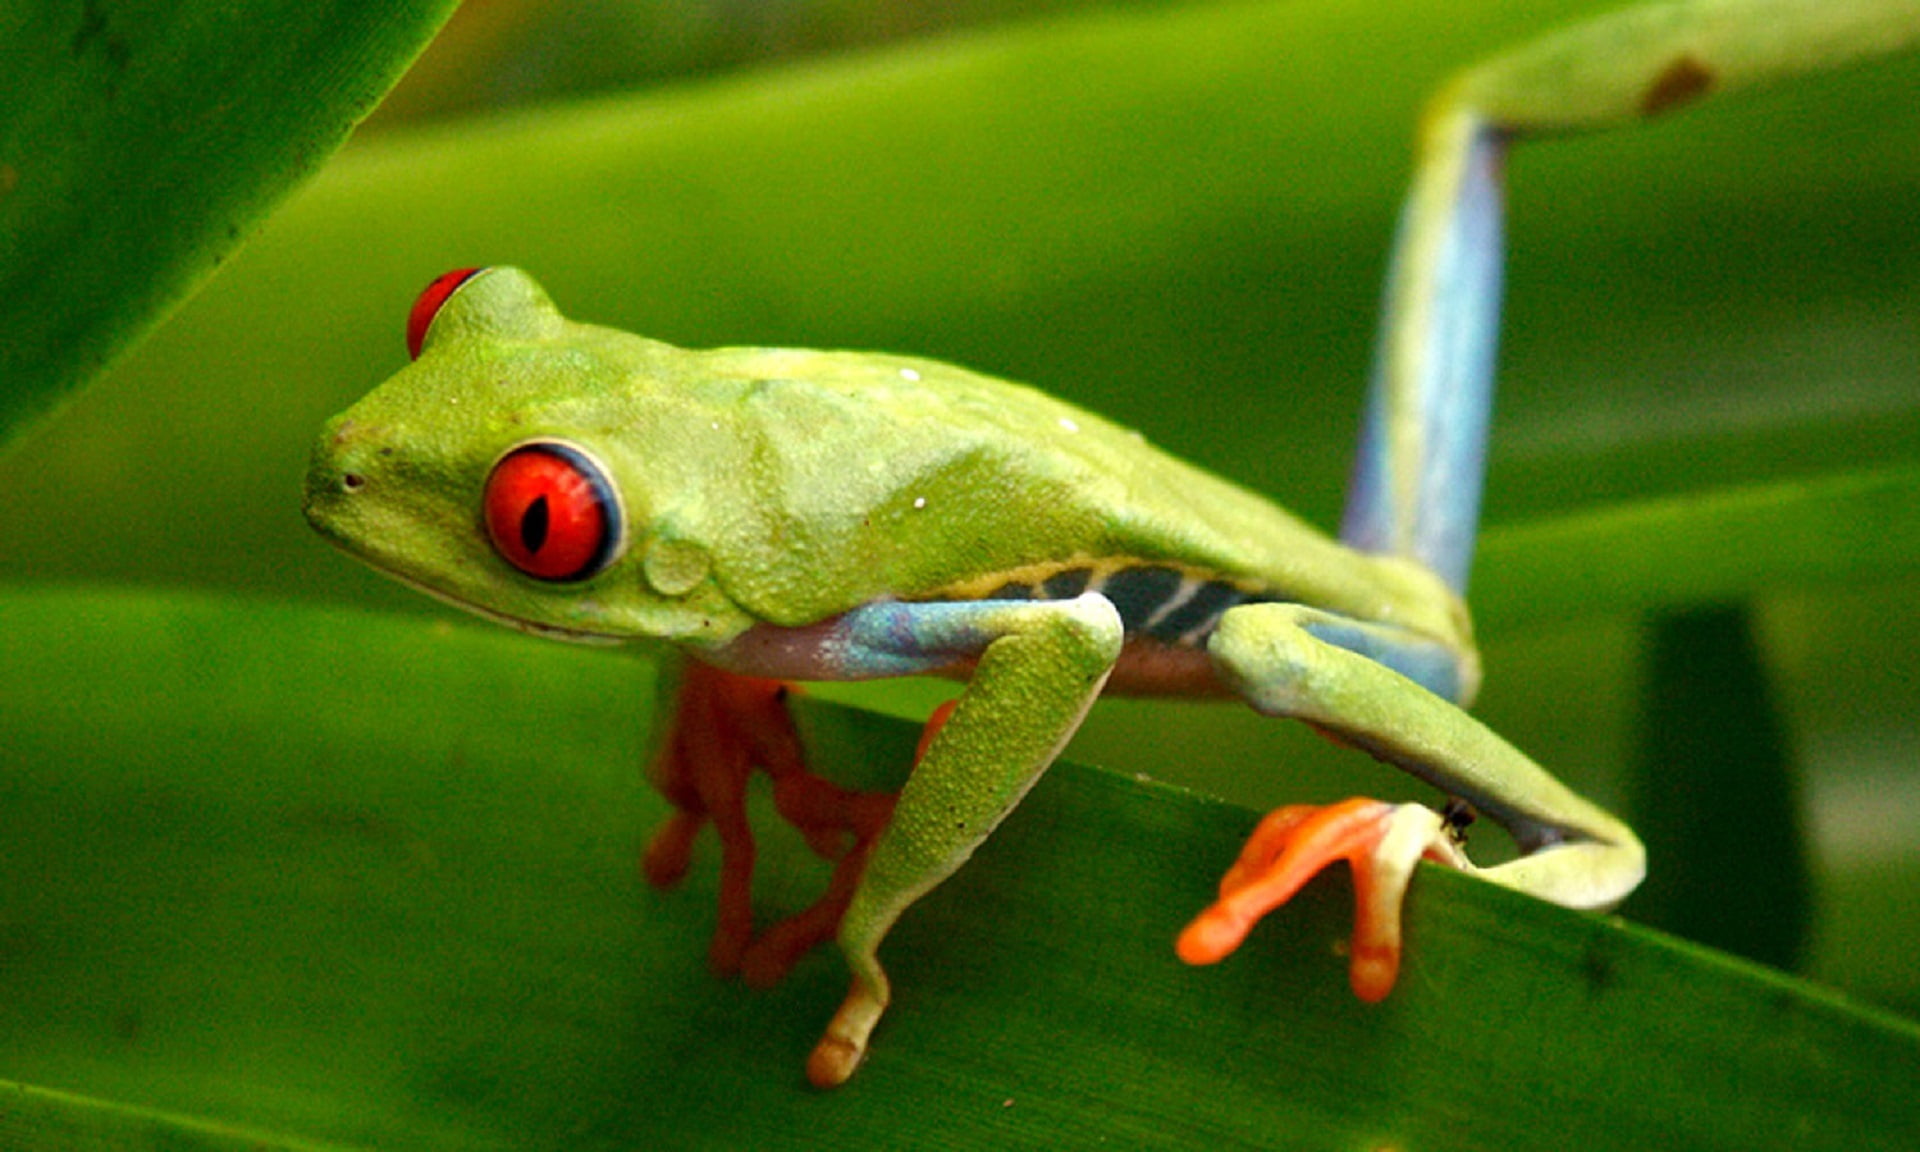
(1040, 664)
(1290, 660)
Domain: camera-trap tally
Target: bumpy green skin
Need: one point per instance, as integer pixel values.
(769, 486)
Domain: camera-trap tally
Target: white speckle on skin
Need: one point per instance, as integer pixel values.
(919, 501)
(909, 374)
(1068, 424)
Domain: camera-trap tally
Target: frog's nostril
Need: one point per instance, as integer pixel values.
(352, 482)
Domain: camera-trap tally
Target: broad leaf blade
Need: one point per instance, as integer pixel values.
(372, 881)
(139, 143)
(1714, 545)
(1716, 794)
(35, 1119)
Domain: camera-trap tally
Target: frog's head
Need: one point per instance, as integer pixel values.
(504, 471)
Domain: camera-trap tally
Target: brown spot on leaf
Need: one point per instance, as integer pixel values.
(1597, 965)
(127, 1024)
(1684, 80)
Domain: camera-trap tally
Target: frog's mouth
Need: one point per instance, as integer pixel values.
(550, 631)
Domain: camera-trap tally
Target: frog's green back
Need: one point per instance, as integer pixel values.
(886, 476)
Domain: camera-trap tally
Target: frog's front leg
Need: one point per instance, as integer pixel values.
(1341, 677)
(1036, 668)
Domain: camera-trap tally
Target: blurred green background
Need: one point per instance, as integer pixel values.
(1176, 213)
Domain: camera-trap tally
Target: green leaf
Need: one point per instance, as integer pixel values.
(1727, 828)
(140, 142)
(34, 1119)
(1717, 545)
(372, 881)
(516, 53)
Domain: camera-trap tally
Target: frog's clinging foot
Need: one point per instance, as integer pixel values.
(1381, 843)
(724, 726)
(838, 1054)
(840, 825)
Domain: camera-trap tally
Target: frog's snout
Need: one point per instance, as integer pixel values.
(335, 474)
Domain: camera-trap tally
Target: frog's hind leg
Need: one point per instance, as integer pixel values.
(1417, 478)
(1415, 489)
(1362, 684)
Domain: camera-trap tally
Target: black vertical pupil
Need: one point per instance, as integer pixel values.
(533, 525)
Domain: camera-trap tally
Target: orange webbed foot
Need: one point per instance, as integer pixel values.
(1381, 843)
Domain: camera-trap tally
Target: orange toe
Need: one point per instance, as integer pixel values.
(1290, 847)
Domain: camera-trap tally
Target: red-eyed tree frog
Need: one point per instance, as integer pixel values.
(769, 515)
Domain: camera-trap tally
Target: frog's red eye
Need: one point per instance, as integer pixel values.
(551, 512)
(427, 305)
